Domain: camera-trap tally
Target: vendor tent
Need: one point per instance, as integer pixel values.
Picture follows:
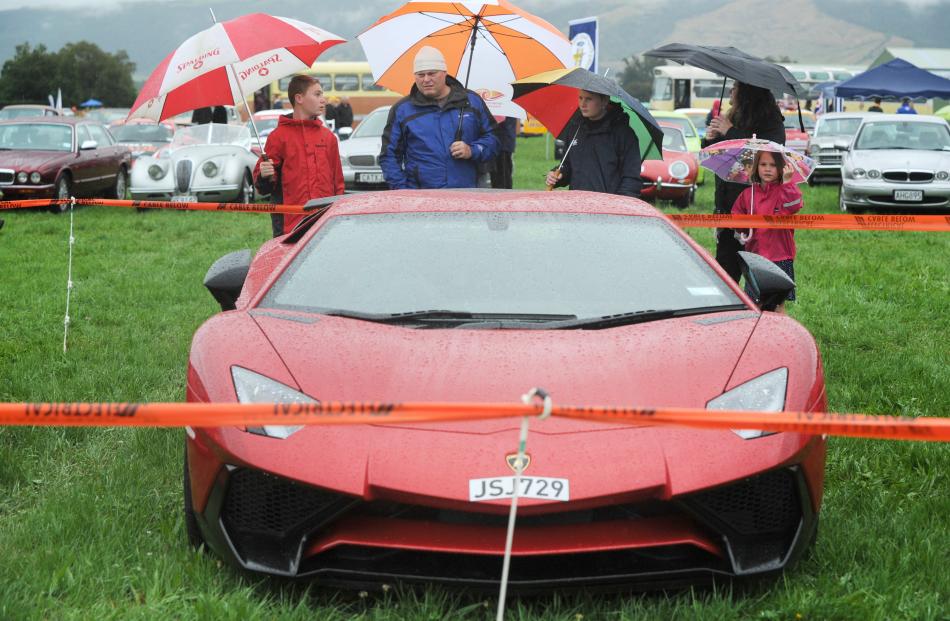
(897, 78)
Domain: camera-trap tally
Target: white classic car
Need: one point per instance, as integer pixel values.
(897, 161)
(203, 163)
(833, 133)
(359, 154)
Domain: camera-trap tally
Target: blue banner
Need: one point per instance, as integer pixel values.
(585, 46)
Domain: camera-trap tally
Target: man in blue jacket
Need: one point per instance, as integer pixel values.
(437, 136)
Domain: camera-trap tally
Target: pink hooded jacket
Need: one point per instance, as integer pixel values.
(774, 199)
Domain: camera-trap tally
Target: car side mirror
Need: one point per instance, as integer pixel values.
(842, 145)
(344, 133)
(766, 281)
(226, 276)
(88, 144)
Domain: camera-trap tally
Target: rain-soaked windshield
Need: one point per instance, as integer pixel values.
(36, 137)
(904, 135)
(581, 265)
(673, 139)
(211, 133)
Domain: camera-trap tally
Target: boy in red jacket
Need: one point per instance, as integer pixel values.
(303, 156)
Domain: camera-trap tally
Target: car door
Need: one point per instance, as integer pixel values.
(105, 156)
(84, 168)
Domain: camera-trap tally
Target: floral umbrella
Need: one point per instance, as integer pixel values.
(731, 160)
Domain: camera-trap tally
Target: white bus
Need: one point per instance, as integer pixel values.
(681, 86)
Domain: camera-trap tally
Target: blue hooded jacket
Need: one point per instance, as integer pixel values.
(418, 134)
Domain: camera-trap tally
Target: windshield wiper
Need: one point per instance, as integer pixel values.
(444, 316)
(642, 316)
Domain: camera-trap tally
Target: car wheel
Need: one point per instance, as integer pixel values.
(121, 187)
(246, 194)
(191, 522)
(64, 190)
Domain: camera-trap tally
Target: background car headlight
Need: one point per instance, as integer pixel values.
(857, 173)
(678, 169)
(210, 169)
(35, 177)
(874, 174)
(22, 177)
(253, 387)
(765, 393)
(943, 175)
(156, 172)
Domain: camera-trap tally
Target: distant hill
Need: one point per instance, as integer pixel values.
(839, 31)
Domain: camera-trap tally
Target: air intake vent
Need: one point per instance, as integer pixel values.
(6, 177)
(363, 160)
(183, 175)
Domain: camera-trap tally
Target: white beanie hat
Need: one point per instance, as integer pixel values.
(428, 58)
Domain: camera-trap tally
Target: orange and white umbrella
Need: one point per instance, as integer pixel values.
(487, 44)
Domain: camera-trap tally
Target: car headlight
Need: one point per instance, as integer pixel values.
(874, 174)
(22, 177)
(35, 177)
(253, 387)
(156, 172)
(857, 173)
(765, 393)
(678, 169)
(943, 175)
(210, 169)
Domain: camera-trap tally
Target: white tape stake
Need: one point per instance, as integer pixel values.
(519, 466)
(69, 271)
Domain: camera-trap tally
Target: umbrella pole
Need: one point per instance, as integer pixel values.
(569, 147)
(468, 73)
(250, 115)
(722, 93)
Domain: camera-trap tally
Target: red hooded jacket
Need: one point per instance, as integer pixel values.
(306, 156)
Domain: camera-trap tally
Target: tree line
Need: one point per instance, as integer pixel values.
(80, 70)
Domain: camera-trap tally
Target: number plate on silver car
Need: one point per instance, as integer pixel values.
(495, 488)
(369, 177)
(909, 195)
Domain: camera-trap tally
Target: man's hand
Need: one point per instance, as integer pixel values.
(460, 150)
(267, 169)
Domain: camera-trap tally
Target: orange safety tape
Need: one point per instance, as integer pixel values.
(818, 221)
(85, 202)
(337, 413)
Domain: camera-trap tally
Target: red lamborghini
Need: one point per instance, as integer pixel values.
(479, 296)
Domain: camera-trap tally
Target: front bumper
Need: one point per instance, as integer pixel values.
(664, 190)
(879, 194)
(15, 192)
(215, 194)
(752, 527)
(352, 179)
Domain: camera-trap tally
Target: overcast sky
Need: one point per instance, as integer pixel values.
(105, 4)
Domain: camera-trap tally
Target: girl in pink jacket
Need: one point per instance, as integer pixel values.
(771, 194)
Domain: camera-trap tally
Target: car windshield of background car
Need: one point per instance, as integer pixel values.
(264, 124)
(211, 133)
(698, 119)
(683, 124)
(791, 121)
(673, 139)
(372, 126)
(36, 137)
(142, 133)
(838, 127)
(904, 135)
(586, 265)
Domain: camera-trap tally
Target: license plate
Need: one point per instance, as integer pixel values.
(369, 177)
(184, 199)
(496, 488)
(909, 195)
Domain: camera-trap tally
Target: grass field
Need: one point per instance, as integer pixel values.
(91, 523)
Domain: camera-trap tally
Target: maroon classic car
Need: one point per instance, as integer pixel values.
(47, 157)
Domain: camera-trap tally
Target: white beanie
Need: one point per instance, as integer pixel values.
(428, 58)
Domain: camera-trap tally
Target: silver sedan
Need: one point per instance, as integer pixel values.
(359, 154)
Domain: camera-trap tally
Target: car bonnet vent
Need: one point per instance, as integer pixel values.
(183, 175)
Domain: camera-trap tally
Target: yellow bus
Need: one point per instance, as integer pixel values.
(680, 86)
(350, 79)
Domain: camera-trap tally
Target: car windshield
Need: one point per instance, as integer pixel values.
(141, 132)
(673, 139)
(698, 119)
(36, 137)
(211, 133)
(107, 115)
(838, 127)
(582, 265)
(684, 124)
(264, 125)
(904, 135)
(791, 121)
(372, 126)
(19, 113)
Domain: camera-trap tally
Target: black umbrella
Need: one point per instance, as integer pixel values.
(733, 63)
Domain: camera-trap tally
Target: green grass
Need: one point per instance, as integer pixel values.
(90, 520)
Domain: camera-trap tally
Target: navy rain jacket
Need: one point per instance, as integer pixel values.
(418, 134)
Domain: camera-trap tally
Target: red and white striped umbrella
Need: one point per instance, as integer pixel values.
(218, 65)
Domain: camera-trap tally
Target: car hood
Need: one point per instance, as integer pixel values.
(18, 160)
(828, 142)
(898, 159)
(361, 146)
(202, 151)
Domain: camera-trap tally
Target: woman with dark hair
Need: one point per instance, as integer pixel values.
(752, 112)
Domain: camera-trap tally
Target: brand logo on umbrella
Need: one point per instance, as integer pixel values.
(198, 63)
(489, 95)
(260, 68)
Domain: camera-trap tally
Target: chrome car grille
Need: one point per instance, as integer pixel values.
(908, 176)
(183, 175)
(830, 157)
(363, 160)
(7, 176)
